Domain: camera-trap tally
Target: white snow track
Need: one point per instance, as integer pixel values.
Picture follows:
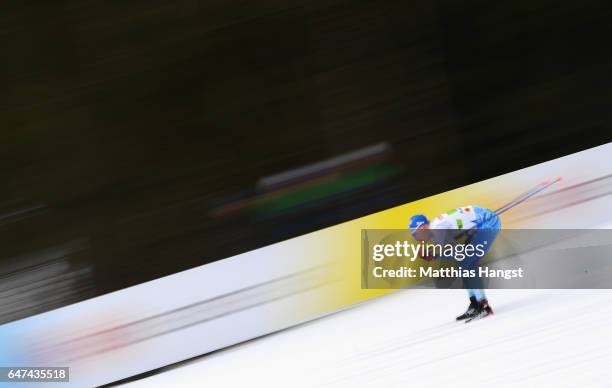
(536, 338)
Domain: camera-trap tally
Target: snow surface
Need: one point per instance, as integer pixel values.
(410, 338)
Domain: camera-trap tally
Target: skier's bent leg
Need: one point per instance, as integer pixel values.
(477, 293)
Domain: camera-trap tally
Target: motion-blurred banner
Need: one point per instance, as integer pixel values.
(552, 238)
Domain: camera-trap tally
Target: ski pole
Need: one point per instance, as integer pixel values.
(525, 196)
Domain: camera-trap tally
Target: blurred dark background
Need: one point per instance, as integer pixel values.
(142, 138)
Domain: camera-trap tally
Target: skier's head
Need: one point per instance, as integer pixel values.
(419, 227)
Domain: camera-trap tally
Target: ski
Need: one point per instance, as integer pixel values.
(477, 317)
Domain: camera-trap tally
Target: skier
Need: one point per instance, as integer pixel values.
(479, 226)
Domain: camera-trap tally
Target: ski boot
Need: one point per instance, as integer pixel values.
(471, 311)
(483, 311)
